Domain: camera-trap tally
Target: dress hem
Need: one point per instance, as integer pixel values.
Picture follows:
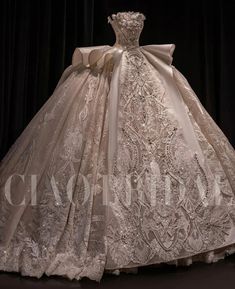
(208, 257)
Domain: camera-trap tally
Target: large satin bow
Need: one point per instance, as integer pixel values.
(99, 55)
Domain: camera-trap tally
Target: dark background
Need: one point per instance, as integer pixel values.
(38, 39)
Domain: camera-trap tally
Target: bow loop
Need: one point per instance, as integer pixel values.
(94, 56)
(163, 52)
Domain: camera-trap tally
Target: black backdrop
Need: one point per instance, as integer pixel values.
(38, 38)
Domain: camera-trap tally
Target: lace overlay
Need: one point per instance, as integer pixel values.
(151, 142)
(57, 236)
(170, 192)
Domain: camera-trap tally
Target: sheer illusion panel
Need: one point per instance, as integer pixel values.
(215, 144)
(66, 139)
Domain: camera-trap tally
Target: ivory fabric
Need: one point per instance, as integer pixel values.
(119, 116)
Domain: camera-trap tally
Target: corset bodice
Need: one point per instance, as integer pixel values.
(127, 27)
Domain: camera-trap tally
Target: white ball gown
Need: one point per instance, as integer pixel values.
(122, 167)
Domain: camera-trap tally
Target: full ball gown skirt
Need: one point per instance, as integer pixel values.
(121, 167)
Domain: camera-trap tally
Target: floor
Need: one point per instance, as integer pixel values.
(219, 275)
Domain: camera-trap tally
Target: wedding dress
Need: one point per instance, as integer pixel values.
(122, 167)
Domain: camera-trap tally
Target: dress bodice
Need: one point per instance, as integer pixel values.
(127, 27)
